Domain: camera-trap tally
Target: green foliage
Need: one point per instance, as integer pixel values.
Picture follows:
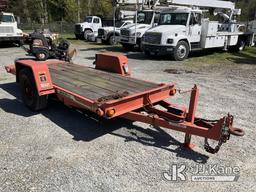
(44, 11)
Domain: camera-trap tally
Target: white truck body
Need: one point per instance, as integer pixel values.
(131, 34)
(111, 33)
(9, 29)
(91, 24)
(183, 29)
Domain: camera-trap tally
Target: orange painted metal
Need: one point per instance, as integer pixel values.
(113, 62)
(173, 117)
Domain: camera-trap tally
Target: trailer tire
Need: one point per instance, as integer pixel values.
(29, 92)
(181, 51)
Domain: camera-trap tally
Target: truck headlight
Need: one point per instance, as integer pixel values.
(137, 34)
(170, 41)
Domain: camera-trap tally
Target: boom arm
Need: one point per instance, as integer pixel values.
(205, 3)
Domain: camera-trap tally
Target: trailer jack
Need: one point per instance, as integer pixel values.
(179, 119)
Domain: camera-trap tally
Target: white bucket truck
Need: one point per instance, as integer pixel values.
(183, 28)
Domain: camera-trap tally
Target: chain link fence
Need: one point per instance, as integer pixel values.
(55, 27)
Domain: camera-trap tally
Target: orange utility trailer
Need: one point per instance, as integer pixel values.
(109, 91)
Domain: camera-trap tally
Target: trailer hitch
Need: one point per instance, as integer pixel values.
(226, 130)
(179, 118)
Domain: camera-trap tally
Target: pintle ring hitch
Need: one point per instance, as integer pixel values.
(236, 131)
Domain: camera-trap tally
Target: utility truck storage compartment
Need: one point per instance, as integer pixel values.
(209, 28)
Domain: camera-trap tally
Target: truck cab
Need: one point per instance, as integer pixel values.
(131, 35)
(91, 24)
(109, 34)
(175, 25)
(9, 31)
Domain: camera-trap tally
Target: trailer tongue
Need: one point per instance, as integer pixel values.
(109, 91)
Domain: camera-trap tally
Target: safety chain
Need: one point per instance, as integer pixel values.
(224, 137)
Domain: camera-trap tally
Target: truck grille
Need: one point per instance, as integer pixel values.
(101, 32)
(6, 29)
(125, 32)
(78, 29)
(153, 38)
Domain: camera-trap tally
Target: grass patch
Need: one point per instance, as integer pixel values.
(248, 56)
(91, 45)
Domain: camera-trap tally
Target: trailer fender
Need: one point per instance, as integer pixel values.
(41, 75)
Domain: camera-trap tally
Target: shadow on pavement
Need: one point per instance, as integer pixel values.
(86, 127)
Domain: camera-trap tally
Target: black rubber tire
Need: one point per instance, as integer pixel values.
(78, 36)
(86, 32)
(111, 41)
(29, 93)
(128, 47)
(183, 55)
(240, 46)
(42, 55)
(147, 53)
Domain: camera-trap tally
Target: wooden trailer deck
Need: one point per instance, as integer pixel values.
(95, 84)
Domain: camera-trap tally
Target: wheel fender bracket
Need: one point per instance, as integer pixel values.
(41, 74)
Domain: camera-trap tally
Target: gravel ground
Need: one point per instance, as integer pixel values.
(63, 150)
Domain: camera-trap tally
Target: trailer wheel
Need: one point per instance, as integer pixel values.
(181, 51)
(29, 93)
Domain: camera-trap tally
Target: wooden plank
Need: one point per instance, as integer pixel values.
(125, 81)
(83, 89)
(98, 82)
(103, 74)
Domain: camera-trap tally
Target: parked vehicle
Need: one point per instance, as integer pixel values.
(252, 27)
(9, 31)
(183, 29)
(130, 36)
(109, 34)
(91, 24)
(108, 91)
(42, 48)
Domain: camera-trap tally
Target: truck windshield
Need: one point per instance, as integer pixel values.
(7, 18)
(173, 19)
(88, 19)
(144, 17)
(119, 24)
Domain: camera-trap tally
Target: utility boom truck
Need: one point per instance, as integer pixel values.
(9, 31)
(183, 28)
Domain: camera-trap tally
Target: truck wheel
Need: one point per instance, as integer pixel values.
(29, 92)
(147, 53)
(128, 47)
(112, 40)
(181, 51)
(78, 36)
(239, 46)
(86, 32)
